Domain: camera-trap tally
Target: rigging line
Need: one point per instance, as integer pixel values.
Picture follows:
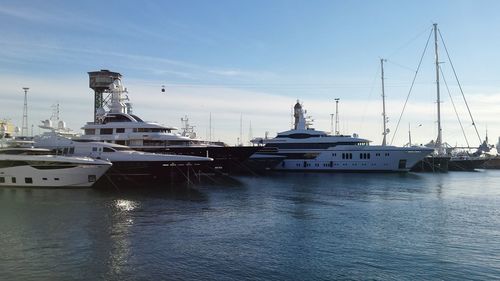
(412, 84)
(369, 97)
(402, 66)
(408, 42)
(454, 108)
(460, 87)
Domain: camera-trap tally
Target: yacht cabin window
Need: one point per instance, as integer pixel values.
(89, 131)
(106, 131)
(107, 149)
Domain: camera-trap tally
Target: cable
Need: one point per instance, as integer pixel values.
(368, 99)
(454, 108)
(411, 87)
(460, 87)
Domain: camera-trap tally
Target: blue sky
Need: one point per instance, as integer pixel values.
(253, 58)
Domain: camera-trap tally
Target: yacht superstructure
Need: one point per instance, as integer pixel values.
(308, 149)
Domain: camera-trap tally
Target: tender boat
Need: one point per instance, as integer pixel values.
(307, 149)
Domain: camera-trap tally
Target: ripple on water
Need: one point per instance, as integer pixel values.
(281, 227)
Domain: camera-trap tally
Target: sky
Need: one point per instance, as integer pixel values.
(251, 60)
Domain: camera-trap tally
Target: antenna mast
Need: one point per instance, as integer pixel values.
(439, 140)
(24, 130)
(384, 141)
(337, 116)
(210, 127)
(240, 140)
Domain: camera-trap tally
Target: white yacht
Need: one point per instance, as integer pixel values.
(116, 124)
(129, 166)
(307, 149)
(33, 167)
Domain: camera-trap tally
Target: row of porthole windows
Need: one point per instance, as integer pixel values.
(361, 155)
(26, 180)
(346, 155)
(330, 164)
(364, 156)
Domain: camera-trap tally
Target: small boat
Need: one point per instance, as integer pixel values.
(35, 167)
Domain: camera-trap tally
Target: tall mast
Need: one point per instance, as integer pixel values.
(337, 116)
(439, 140)
(384, 142)
(24, 128)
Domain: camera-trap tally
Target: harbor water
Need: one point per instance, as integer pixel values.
(286, 226)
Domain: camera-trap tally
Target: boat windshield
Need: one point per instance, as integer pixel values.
(137, 118)
(122, 148)
(12, 151)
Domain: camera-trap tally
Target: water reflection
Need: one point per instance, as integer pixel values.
(126, 205)
(119, 229)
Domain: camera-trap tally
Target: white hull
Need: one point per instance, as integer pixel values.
(27, 176)
(372, 158)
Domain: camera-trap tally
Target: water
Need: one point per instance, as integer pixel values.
(290, 226)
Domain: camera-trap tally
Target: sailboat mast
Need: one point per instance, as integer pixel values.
(439, 140)
(240, 140)
(384, 142)
(337, 116)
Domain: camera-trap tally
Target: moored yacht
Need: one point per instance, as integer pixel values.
(33, 167)
(307, 149)
(118, 125)
(130, 167)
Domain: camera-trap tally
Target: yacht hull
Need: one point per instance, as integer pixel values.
(226, 159)
(70, 177)
(146, 174)
(492, 163)
(439, 164)
(370, 159)
(466, 164)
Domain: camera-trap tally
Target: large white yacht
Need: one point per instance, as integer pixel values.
(118, 125)
(307, 149)
(33, 167)
(130, 167)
